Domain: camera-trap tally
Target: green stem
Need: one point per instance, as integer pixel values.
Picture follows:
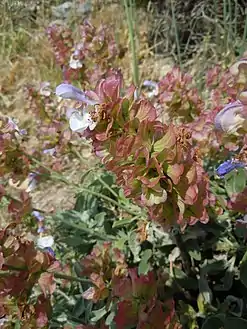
(129, 15)
(71, 278)
(87, 230)
(106, 198)
(174, 23)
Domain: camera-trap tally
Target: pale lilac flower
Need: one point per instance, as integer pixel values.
(67, 91)
(50, 151)
(153, 85)
(69, 112)
(242, 221)
(79, 122)
(38, 215)
(230, 118)
(101, 153)
(45, 242)
(13, 126)
(32, 182)
(41, 229)
(45, 89)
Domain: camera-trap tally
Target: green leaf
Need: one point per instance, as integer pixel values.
(243, 270)
(122, 222)
(214, 322)
(234, 305)
(227, 280)
(235, 182)
(79, 308)
(205, 294)
(110, 318)
(134, 246)
(72, 241)
(237, 323)
(229, 184)
(166, 142)
(240, 180)
(195, 254)
(125, 109)
(144, 265)
(98, 314)
(17, 324)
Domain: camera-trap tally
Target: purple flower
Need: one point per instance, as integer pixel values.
(228, 166)
(68, 91)
(149, 83)
(41, 229)
(38, 215)
(50, 251)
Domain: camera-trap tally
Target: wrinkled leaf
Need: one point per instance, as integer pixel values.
(144, 265)
(134, 246)
(243, 270)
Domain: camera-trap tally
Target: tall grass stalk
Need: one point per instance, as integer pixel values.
(130, 16)
(244, 33)
(174, 23)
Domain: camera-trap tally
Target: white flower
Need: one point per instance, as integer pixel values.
(80, 122)
(45, 242)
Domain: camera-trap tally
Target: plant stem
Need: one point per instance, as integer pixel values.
(87, 230)
(129, 4)
(174, 23)
(71, 278)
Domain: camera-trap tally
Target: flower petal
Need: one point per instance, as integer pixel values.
(38, 215)
(80, 122)
(68, 91)
(230, 118)
(228, 166)
(45, 242)
(50, 151)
